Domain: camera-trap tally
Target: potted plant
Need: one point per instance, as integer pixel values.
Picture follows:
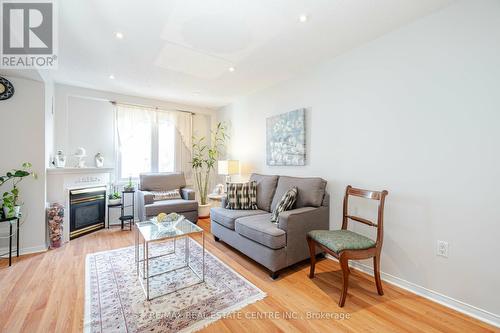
(10, 203)
(130, 186)
(203, 163)
(114, 197)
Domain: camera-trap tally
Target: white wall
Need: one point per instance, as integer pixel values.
(415, 112)
(22, 125)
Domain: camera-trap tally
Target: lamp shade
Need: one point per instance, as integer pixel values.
(228, 167)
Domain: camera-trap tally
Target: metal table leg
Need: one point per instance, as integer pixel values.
(203, 256)
(10, 243)
(146, 254)
(17, 237)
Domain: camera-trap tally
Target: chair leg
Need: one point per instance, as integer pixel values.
(312, 252)
(376, 271)
(344, 263)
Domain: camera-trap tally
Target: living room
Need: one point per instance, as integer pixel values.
(244, 165)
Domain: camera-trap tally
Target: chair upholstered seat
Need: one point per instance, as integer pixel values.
(340, 240)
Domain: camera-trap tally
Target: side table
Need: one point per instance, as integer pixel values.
(216, 199)
(123, 218)
(11, 220)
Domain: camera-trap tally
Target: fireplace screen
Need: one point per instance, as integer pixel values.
(87, 208)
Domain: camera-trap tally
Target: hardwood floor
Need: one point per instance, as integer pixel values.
(45, 293)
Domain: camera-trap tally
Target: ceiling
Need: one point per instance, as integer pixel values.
(181, 50)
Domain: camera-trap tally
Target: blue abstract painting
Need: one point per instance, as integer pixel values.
(286, 139)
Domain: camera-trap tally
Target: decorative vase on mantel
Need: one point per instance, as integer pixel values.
(55, 217)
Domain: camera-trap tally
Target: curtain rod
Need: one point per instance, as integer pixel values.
(150, 107)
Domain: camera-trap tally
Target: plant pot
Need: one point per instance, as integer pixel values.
(112, 202)
(204, 210)
(8, 214)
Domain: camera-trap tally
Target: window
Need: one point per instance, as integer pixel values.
(146, 141)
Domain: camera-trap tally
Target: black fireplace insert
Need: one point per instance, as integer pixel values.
(87, 210)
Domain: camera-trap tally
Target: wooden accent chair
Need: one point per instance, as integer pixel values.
(346, 245)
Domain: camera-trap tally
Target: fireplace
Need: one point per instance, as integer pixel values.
(87, 210)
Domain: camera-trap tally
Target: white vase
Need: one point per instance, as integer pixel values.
(204, 210)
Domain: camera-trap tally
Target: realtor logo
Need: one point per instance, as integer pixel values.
(28, 34)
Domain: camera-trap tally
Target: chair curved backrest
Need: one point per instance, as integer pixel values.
(366, 194)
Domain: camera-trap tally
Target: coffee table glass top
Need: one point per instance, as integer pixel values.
(152, 231)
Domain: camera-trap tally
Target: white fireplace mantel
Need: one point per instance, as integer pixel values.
(55, 171)
(61, 180)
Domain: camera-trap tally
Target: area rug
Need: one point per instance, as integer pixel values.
(115, 301)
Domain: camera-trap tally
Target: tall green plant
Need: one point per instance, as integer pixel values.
(10, 198)
(205, 155)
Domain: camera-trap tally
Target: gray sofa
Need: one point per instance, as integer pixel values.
(148, 208)
(280, 245)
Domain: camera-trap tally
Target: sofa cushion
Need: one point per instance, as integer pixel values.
(260, 230)
(310, 191)
(170, 206)
(226, 217)
(163, 181)
(266, 186)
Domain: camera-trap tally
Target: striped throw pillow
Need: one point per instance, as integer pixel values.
(241, 196)
(232, 196)
(166, 195)
(247, 196)
(286, 203)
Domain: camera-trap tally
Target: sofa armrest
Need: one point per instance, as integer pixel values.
(223, 201)
(145, 197)
(304, 219)
(188, 194)
(297, 223)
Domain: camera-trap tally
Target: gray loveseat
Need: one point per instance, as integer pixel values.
(280, 245)
(148, 208)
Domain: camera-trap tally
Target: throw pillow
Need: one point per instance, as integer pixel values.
(286, 203)
(232, 196)
(252, 195)
(247, 196)
(241, 196)
(166, 195)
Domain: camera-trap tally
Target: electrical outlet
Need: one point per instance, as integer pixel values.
(442, 248)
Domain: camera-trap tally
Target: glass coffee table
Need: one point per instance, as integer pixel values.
(150, 232)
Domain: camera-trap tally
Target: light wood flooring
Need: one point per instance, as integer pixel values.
(45, 293)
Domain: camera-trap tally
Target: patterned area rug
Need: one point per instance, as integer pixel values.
(115, 301)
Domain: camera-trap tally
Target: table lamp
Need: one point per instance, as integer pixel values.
(228, 168)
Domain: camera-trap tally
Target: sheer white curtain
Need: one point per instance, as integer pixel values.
(152, 140)
(134, 134)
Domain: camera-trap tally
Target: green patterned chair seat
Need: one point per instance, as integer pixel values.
(340, 240)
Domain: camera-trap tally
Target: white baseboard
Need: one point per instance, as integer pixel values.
(470, 310)
(25, 250)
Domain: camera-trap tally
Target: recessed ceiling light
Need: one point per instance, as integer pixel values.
(303, 18)
(231, 69)
(111, 77)
(119, 35)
